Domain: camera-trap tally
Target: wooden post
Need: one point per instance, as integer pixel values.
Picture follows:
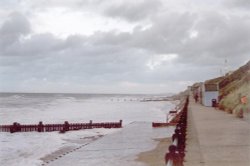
(66, 126)
(90, 124)
(18, 127)
(40, 127)
(120, 123)
(167, 118)
(13, 128)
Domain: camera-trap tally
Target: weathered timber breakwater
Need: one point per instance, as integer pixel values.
(17, 127)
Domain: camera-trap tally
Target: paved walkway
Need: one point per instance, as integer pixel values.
(216, 138)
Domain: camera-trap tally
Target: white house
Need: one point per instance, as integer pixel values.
(209, 92)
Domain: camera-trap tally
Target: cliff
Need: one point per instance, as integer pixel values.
(232, 87)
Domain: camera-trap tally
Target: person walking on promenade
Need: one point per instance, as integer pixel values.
(196, 97)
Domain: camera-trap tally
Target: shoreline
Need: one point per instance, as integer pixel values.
(155, 156)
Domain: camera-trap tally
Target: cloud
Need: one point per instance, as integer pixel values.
(129, 10)
(158, 60)
(219, 37)
(245, 4)
(133, 10)
(38, 44)
(166, 34)
(168, 51)
(13, 28)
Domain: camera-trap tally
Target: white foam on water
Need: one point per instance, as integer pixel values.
(27, 148)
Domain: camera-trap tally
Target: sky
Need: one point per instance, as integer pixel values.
(119, 46)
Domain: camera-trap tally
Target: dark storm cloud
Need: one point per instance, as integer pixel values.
(76, 58)
(219, 37)
(38, 44)
(15, 26)
(166, 33)
(245, 4)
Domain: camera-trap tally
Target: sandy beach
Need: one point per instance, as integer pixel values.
(69, 149)
(150, 158)
(156, 156)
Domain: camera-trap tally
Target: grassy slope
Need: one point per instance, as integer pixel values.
(232, 87)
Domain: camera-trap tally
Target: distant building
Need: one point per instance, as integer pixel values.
(210, 91)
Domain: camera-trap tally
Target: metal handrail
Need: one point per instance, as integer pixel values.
(176, 154)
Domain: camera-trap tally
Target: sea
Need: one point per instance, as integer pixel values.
(31, 148)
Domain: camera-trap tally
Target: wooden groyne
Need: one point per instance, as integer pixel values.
(159, 124)
(172, 122)
(17, 127)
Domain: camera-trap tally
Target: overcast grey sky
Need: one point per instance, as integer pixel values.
(119, 46)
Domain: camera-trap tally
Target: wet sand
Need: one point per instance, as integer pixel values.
(156, 156)
(69, 149)
(121, 147)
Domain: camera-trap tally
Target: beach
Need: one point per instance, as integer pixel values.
(33, 148)
(155, 156)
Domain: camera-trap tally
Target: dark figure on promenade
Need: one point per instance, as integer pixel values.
(196, 97)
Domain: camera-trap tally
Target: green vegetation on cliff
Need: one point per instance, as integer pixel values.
(232, 87)
(231, 102)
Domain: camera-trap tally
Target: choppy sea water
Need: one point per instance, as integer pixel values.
(29, 148)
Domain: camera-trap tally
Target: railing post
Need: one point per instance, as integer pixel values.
(171, 158)
(176, 154)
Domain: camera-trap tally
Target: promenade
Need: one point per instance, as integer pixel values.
(216, 138)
